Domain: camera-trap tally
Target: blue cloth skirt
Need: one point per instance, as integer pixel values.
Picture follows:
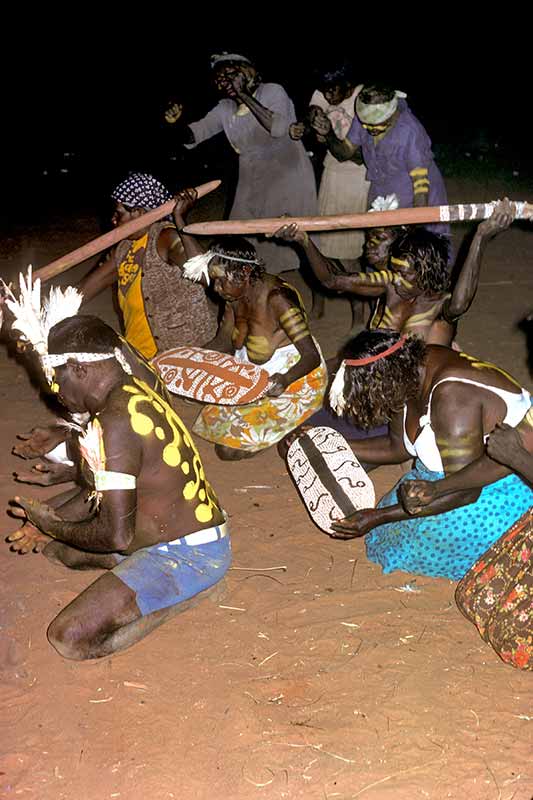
(447, 544)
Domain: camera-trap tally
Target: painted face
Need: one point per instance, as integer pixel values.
(224, 76)
(377, 244)
(377, 130)
(229, 285)
(405, 281)
(70, 387)
(334, 94)
(123, 214)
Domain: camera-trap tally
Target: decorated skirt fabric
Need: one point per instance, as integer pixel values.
(496, 594)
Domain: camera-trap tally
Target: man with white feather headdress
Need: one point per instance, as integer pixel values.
(146, 515)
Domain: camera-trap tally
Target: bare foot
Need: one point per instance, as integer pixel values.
(28, 539)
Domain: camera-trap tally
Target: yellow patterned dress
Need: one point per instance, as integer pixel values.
(266, 421)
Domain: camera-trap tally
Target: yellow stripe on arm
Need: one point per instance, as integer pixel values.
(294, 324)
(418, 172)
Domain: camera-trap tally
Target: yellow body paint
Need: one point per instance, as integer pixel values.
(477, 364)
(180, 451)
(259, 348)
(424, 317)
(294, 324)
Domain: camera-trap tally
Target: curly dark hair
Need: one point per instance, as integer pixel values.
(372, 93)
(82, 333)
(376, 391)
(239, 247)
(428, 253)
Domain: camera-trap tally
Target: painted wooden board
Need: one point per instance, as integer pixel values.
(330, 479)
(211, 377)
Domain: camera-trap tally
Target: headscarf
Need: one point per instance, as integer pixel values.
(218, 58)
(141, 190)
(377, 113)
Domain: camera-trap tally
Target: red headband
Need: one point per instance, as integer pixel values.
(360, 362)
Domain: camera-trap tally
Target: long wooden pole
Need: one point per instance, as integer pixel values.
(374, 219)
(112, 237)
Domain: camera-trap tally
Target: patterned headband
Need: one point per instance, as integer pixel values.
(141, 190)
(49, 361)
(198, 266)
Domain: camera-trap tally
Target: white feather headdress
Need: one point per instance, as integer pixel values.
(34, 320)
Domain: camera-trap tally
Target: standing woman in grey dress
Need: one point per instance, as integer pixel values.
(275, 173)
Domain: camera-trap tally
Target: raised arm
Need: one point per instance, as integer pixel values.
(466, 285)
(371, 284)
(99, 278)
(278, 113)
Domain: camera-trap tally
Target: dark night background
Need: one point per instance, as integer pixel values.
(83, 101)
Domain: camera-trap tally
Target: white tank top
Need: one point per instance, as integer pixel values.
(425, 446)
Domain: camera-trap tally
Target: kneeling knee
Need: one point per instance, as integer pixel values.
(65, 637)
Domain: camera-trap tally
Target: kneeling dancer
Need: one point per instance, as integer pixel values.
(441, 405)
(264, 323)
(152, 519)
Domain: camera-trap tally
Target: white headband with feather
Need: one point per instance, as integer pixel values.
(35, 320)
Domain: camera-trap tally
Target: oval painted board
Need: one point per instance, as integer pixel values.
(330, 479)
(211, 377)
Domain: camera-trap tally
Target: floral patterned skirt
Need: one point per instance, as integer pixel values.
(258, 425)
(496, 594)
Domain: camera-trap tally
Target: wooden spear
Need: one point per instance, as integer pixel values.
(374, 219)
(112, 237)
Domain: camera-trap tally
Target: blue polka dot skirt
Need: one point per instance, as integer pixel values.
(446, 545)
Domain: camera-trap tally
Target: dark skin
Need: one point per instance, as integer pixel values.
(255, 316)
(402, 305)
(105, 617)
(508, 450)
(236, 81)
(173, 247)
(461, 415)
(42, 440)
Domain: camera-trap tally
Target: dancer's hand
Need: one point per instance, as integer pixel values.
(185, 200)
(505, 444)
(40, 441)
(292, 233)
(28, 539)
(276, 387)
(297, 130)
(47, 473)
(173, 113)
(500, 219)
(415, 495)
(39, 514)
(354, 526)
(320, 122)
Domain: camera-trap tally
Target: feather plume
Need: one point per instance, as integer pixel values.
(336, 392)
(388, 203)
(27, 312)
(59, 305)
(198, 266)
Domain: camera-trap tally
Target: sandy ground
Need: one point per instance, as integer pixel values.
(311, 675)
